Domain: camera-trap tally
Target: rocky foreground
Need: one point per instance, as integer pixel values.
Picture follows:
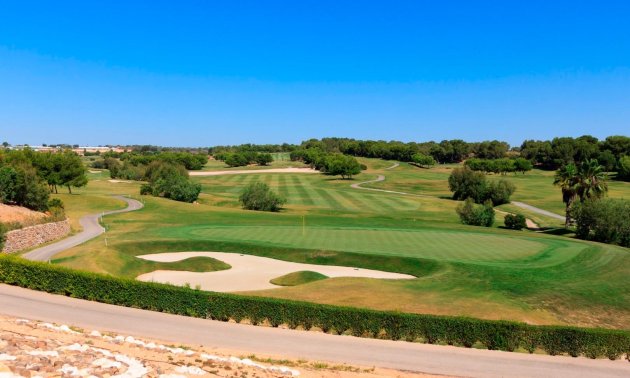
(37, 349)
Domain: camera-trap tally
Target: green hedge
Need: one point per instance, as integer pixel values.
(461, 331)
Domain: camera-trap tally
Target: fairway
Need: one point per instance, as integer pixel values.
(429, 244)
(489, 273)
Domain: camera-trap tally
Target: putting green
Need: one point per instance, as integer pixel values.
(432, 244)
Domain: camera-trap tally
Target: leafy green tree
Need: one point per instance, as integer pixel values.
(342, 165)
(499, 192)
(3, 236)
(258, 196)
(72, 172)
(264, 159)
(624, 168)
(8, 184)
(466, 183)
(607, 160)
(170, 180)
(522, 165)
(603, 220)
(426, 161)
(236, 160)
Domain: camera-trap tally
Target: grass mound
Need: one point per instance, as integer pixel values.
(298, 278)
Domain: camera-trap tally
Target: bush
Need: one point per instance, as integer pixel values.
(604, 220)
(264, 159)
(461, 331)
(499, 192)
(466, 183)
(258, 196)
(474, 215)
(56, 209)
(170, 180)
(515, 221)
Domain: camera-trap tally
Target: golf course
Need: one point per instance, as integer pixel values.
(545, 277)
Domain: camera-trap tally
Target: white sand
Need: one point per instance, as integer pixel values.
(245, 171)
(248, 272)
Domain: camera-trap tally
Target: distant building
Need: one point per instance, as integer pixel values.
(79, 150)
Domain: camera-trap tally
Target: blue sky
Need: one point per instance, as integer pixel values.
(200, 73)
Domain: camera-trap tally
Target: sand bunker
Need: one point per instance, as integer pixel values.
(241, 172)
(248, 272)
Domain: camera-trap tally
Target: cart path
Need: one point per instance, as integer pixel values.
(91, 229)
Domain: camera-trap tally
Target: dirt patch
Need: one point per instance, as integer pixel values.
(21, 215)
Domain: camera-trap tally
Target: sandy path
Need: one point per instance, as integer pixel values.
(248, 272)
(396, 165)
(252, 171)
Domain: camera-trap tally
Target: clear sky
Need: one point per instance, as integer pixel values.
(200, 73)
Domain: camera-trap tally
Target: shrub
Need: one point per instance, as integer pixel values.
(56, 209)
(515, 221)
(467, 183)
(499, 192)
(170, 180)
(604, 220)
(474, 215)
(426, 161)
(258, 196)
(264, 159)
(461, 331)
(236, 160)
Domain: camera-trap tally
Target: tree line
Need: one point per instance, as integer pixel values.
(500, 166)
(244, 158)
(332, 164)
(27, 177)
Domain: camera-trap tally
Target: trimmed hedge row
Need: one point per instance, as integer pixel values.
(461, 331)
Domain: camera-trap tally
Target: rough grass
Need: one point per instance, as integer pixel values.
(298, 278)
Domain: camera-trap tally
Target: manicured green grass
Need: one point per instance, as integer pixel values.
(462, 270)
(298, 278)
(281, 160)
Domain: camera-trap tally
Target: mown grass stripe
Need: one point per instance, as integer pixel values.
(302, 192)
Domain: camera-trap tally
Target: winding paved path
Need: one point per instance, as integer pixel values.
(23, 303)
(538, 210)
(91, 229)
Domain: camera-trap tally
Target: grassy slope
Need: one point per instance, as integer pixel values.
(461, 270)
(298, 278)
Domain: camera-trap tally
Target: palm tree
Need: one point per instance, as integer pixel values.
(591, 180)
(567, 179)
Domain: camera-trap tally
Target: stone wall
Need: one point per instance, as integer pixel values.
(33, 236)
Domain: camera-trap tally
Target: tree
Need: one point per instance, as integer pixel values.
(522, 165)
(72, 172)
(584, 181)
(236, 160)
(466, 183)
(624, 168)
(342, 165)
(264, 159)
(607, 160)
(425, 161)
(566, 179)
(8, 184)
(170, 180)
(591, 180)
(603, 220)
(258, 196)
